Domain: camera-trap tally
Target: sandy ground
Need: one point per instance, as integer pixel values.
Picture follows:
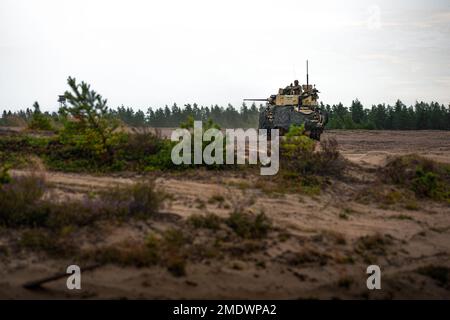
(325, 229)
(372, 147)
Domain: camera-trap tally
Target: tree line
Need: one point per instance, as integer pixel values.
(226, 117)
(420, 116)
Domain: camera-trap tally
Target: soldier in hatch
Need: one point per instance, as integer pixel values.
(296, 89)
(315, 93)
(288, 89)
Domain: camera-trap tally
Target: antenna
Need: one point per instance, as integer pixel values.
(307, 74)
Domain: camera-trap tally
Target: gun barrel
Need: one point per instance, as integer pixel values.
(256, 99)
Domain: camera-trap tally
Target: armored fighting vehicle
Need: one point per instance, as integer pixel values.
(296, 104)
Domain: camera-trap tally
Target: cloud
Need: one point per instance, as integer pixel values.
(382, 57)
(143, 53)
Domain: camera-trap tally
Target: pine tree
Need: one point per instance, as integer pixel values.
(90, 125)
(357, 111)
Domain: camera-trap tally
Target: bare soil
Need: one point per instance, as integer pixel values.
(371, 147)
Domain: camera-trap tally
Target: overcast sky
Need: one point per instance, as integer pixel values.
(152, 53)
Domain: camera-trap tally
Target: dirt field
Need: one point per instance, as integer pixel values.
(372, 147)
(321, 246)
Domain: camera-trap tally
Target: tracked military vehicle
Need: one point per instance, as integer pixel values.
(296, 104)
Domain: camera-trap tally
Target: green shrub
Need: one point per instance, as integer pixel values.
(39, 121)
(24, 144)
(297, 152)
(162, 160)
(166, 250)
(206, 125)
(139, 144)
(376, 244)
(126, 253)
(425, 177)
(305, 256)
(20, 202)
(387, 195)
(299, 157)
(173, 254)
(216, 198)
(42, 240)
(23, 204)
(208, 221)
(328, 160)
(4, 175)
(140, 200)
(425, 184)
(249, 226)
(440, 274)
